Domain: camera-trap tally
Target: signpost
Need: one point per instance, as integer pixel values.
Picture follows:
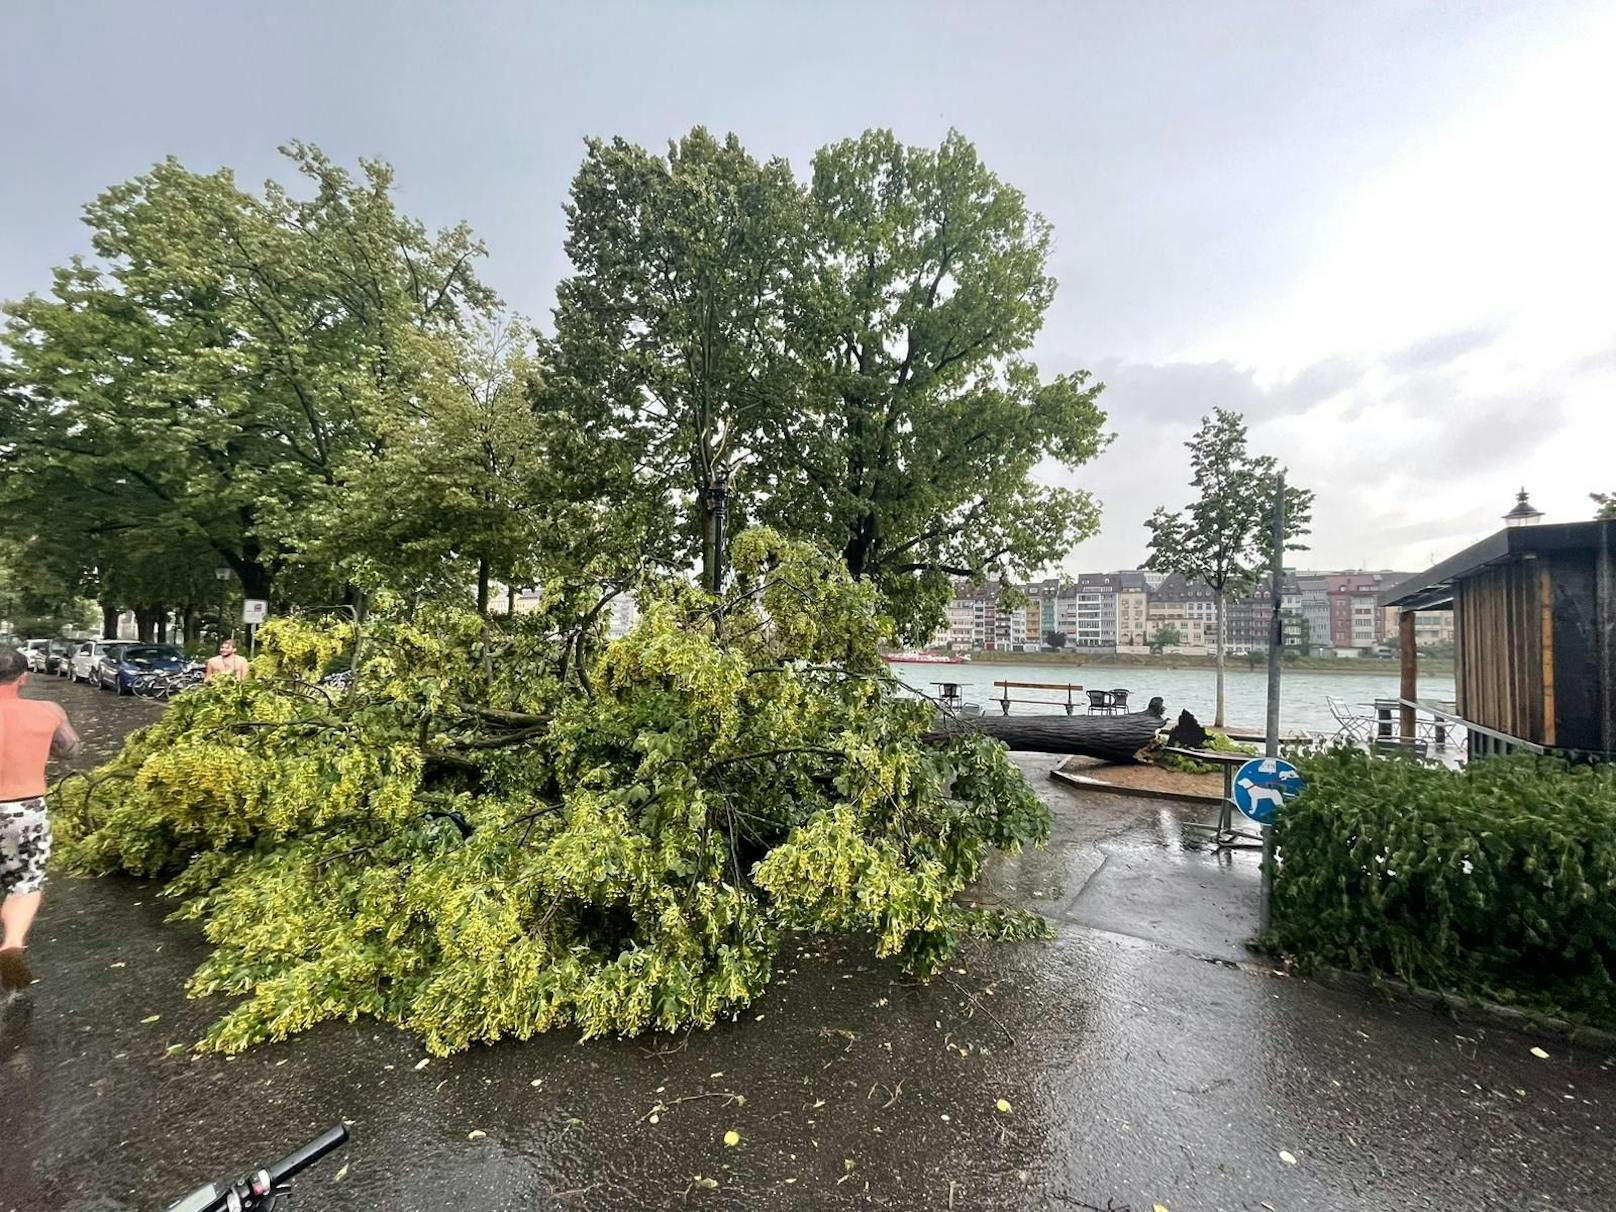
(253, 612)
(1276, 664)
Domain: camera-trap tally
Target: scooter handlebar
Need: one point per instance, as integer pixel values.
(215, 1196)
(299, 1160)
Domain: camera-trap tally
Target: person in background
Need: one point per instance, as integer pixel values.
(227, 664)
(31, 730)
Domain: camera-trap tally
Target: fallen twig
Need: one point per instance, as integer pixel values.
(975, 1001)
(729, 1096)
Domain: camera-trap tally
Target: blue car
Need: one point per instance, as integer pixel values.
(120, 666)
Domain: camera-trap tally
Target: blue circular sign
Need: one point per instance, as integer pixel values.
(1261, 784)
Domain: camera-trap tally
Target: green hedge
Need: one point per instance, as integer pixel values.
(1497, 881)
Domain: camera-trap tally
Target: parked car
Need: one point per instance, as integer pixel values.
(35, 651)
(118, 670)
(86, 660)
(57, 655)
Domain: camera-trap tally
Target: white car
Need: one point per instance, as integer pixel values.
(86, 661)
(35, 651)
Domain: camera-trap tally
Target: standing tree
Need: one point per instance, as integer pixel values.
(671, 343)
(855, 352)
(1055, 640)
(1222, 538)
(1167, 636)
(469, 483)
(1606, 502)
(205, 377)
(913, 452)
(451, 492)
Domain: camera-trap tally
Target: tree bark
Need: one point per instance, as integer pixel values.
(1217, 717)
(482, 586)
(257, 580)
(709, 546)
(109, 622)
(1112, 738)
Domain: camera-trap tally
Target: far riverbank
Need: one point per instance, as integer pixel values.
(1440, 666)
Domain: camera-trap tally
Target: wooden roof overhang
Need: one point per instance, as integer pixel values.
(1433, 588)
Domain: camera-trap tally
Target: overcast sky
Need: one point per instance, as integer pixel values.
(1384, 231)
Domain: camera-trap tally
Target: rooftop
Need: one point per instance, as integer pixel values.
(1433, 588)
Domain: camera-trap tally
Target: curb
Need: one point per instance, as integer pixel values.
(1526, 1022)
(1082, 782)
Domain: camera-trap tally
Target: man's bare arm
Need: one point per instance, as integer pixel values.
(65, 742)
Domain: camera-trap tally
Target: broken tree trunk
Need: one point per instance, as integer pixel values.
(1111, 738)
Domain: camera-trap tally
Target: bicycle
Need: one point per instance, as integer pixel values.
(262, 1190)
(149, 684)
(165, 683)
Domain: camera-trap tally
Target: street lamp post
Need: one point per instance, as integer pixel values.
(1523, 514)
(222, 574)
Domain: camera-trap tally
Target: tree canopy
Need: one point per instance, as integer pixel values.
(309, 387)
(488, 826)
(671, 340)
(204, 376)
(913, 452)
(853, 349)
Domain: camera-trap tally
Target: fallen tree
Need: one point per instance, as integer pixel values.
(501, 828)
(1134, 737)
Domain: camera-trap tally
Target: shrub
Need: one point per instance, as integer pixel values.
(1498, 880)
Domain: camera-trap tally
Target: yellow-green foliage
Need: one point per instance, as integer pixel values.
(1217, 742)
(503, 828)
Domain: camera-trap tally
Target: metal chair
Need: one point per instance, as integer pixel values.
(1407, 747)
(1099, 702)
(1119, 701)
(1356, 729)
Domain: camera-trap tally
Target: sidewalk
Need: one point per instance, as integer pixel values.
(1141, 1066)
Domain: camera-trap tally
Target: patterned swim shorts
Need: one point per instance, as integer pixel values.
(25, 846)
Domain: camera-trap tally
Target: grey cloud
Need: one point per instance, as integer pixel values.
(1361, 479)
(1178, 394)
(1485, 434)
(1443, 349)
(1597, 363)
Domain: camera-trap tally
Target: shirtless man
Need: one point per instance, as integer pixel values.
(30, 731)
(226, 664)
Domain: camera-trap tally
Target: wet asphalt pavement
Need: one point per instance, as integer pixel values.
(1146, 1057)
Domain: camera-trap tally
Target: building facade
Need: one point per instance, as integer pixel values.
(1357, 622)
(1133, 612)
(1186, 607)
(973, 617)
(1246, 620)
(1333, 613)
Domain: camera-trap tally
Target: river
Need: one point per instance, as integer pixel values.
(1303, 701)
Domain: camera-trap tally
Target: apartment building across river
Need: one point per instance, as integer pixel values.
(1134, 611)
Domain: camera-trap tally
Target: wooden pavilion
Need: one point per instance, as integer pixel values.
(1534, 622)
